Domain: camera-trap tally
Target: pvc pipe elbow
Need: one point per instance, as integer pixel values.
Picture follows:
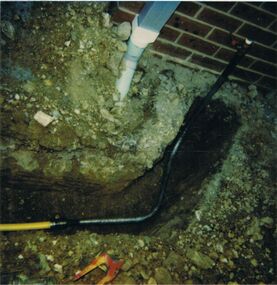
(140, 36)
(138, 41)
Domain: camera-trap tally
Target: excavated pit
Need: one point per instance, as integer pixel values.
(202, 152)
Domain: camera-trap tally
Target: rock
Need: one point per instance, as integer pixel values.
(124, 31)
(137, 77)
(267, 222)
(43, 263)
(162, 276)
(114, 62)
(26, 160)
(67, 43)
(58, 268)
(124, 278)
(43, 118)
(199, 259)
(8, 29)
(127, 265)
(141, 243)
(29, 87)
(152, 281)
(17, 97)
(254, 230)
(174, 260)
(106, 20)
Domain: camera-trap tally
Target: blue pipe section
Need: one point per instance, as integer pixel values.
(154, 15)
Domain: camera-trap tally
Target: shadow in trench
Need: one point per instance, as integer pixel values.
(202, 152)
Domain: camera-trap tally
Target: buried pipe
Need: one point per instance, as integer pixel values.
(145, 29)
(241, 51)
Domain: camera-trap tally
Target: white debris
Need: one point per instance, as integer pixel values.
(43, 118)
(77, 111)
(49, 257)
(67, 43)
(141, 243)
(124, 31)
(20, 256)
(17, 97)
(58, 268)
(198, 215)
(106, 20)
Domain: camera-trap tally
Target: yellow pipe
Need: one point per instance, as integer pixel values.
(25, 226)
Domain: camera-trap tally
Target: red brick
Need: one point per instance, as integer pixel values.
(265, 68)
(188, 25)
(257, 4)
(207, 62)
(256, 34)
(223, 6)
(263, 52)
(169, 34)
(251, 14)
(273, 27)
(219, 20)
(227, 55)
(170, 50)
(246, 75)
(134, 6)
(268, 82)
(197, 44)
(120, 16)
(221, 37)
(188, 8)
(270, 6)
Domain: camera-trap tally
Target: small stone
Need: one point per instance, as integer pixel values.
(47, 82)
(162, 276)
(141, 243)
(137, 76)
(106, 20)
(67, 43)
(254, 262)
(58, 268)
(127, 265)
(124, 31)
(77, 111)
(199, 259)
(49, 257)
(267, 222)
(152, 281)
(8, 29)
(43, 118)
(174, 260)
(198, 214)
(124, 278)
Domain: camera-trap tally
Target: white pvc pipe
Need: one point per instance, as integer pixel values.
(139, 40)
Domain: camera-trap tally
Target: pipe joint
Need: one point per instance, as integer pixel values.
(141, 36)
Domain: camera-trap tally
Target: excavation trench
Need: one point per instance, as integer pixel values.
(33, 198)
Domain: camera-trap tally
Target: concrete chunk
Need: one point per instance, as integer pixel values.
(43, 118)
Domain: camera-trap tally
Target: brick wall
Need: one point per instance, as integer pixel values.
(199, 34)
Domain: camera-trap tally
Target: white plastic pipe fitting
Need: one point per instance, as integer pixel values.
(138, 41)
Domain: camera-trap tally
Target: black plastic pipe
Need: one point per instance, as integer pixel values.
(241, 51)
